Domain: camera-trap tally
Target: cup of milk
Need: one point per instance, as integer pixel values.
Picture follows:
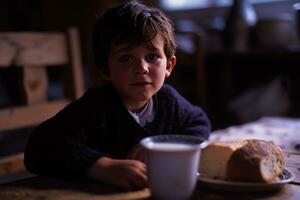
(172, 165)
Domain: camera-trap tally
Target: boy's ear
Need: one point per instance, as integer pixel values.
(170, 65)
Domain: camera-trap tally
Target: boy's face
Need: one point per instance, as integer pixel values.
(139, 72)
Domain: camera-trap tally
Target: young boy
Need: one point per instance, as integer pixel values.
(96, 136)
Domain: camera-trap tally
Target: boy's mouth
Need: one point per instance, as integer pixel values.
(140, 84)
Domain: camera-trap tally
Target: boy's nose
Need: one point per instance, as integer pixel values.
(141, 67)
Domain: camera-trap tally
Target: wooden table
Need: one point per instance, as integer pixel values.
(39, 188)
(283, 132)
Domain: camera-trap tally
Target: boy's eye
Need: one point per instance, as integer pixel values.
(151, 58)
(124, 59)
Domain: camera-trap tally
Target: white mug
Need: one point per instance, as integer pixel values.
(172, 165)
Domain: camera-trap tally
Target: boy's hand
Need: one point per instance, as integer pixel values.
(138, 152)
(129, 174)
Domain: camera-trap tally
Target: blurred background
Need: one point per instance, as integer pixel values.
(237, 59)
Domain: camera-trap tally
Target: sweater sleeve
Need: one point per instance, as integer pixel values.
(188, 118)
(196, 122)
(55, 148)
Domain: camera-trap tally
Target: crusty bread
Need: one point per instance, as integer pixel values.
(214, 158)
(246, 160)
(256, 161)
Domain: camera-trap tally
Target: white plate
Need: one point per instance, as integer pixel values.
(284, 178)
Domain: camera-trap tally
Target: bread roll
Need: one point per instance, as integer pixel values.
(256, 161)
(246, 160)
(214, 158)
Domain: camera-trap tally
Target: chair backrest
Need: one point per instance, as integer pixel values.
(190, 73)
(35, 53)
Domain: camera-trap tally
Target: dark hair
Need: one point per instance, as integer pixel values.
(131, 23)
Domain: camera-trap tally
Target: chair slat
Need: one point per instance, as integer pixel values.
(12, 164)
(76, 63)
(21, 117)
(35, 81)
(33, 49)
(34, 52)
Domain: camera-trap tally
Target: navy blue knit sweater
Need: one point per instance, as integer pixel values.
(98, 124)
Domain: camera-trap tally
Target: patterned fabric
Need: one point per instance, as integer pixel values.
(282, 131)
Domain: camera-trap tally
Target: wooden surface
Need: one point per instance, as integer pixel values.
(35, 81)
(48, 189)
(13, 118)
(37, 188)
(32, 48)
(281, 131)
(12, 164)
(35, 53)
(77, 74)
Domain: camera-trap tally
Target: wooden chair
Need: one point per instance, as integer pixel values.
(35, 52)
(189, 75)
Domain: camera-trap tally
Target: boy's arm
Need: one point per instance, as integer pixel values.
(54, 150)
(130, 174)
(51, 152)
(196, 122)
(187, 118)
